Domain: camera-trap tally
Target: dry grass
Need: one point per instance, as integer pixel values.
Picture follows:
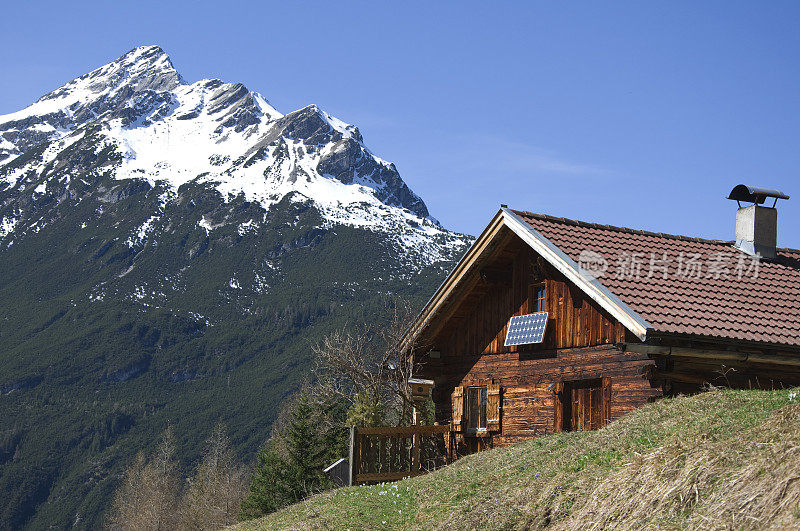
(719, 460)
(748, 481)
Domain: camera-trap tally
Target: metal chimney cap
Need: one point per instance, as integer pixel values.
(753, 194)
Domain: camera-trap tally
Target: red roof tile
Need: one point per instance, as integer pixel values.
(725, 300)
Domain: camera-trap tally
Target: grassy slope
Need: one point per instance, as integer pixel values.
(719, 459)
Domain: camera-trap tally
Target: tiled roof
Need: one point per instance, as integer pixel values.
(705, 287)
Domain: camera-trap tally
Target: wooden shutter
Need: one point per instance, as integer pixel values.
(606, 401)
(458, 408)
(493, 407)
(558, 403)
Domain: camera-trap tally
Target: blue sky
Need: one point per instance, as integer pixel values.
(642, 114)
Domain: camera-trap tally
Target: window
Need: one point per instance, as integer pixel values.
(537, 298)
(476, 408)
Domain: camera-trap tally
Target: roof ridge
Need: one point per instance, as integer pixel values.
(627, 230)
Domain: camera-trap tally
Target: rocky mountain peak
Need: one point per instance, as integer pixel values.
(152, 126)
(142, 78)
(142, 68)
(145, 68)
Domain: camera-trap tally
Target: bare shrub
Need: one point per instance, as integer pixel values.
(148, 496)
(368, 366)
(216, 491)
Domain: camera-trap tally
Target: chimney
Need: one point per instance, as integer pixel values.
(756, 225)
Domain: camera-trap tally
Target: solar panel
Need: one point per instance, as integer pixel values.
(525, 329)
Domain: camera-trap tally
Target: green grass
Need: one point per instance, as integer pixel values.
(719, 459)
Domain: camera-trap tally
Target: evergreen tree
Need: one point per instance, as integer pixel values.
(366, 411)
(271, 485)
(305, 446)
(290, 466)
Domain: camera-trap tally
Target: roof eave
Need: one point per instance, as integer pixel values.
(570, 269)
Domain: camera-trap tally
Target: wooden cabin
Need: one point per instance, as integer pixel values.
(631, 316)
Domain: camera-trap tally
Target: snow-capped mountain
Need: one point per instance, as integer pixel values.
(156, 127)
(168, 252)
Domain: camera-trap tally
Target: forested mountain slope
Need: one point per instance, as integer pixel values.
(168, 251)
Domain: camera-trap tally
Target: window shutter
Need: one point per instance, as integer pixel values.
(493, 407)
(558, 401)
(606, 401)
(458, 408)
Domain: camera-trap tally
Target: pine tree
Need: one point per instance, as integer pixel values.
(306, 449)
(290, 466)
(271, 485)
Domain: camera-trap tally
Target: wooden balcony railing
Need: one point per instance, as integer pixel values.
(393, 453)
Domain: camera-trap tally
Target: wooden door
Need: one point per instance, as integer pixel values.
(583, 405)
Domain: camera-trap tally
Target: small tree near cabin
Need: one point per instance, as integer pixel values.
(305, 440)
(307, 453)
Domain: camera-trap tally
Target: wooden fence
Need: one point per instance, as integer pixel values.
(393, 453)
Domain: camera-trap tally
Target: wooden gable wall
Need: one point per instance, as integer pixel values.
(574, 319)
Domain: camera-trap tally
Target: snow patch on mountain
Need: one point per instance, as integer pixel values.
(205, 225)
(168, 132)
(187, 139)
(7, 225)
(138, 238)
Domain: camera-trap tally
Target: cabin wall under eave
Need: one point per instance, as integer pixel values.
(688, 374)
(574, 319)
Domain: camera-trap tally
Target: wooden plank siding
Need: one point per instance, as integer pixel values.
(528, 399)
(580, 344)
